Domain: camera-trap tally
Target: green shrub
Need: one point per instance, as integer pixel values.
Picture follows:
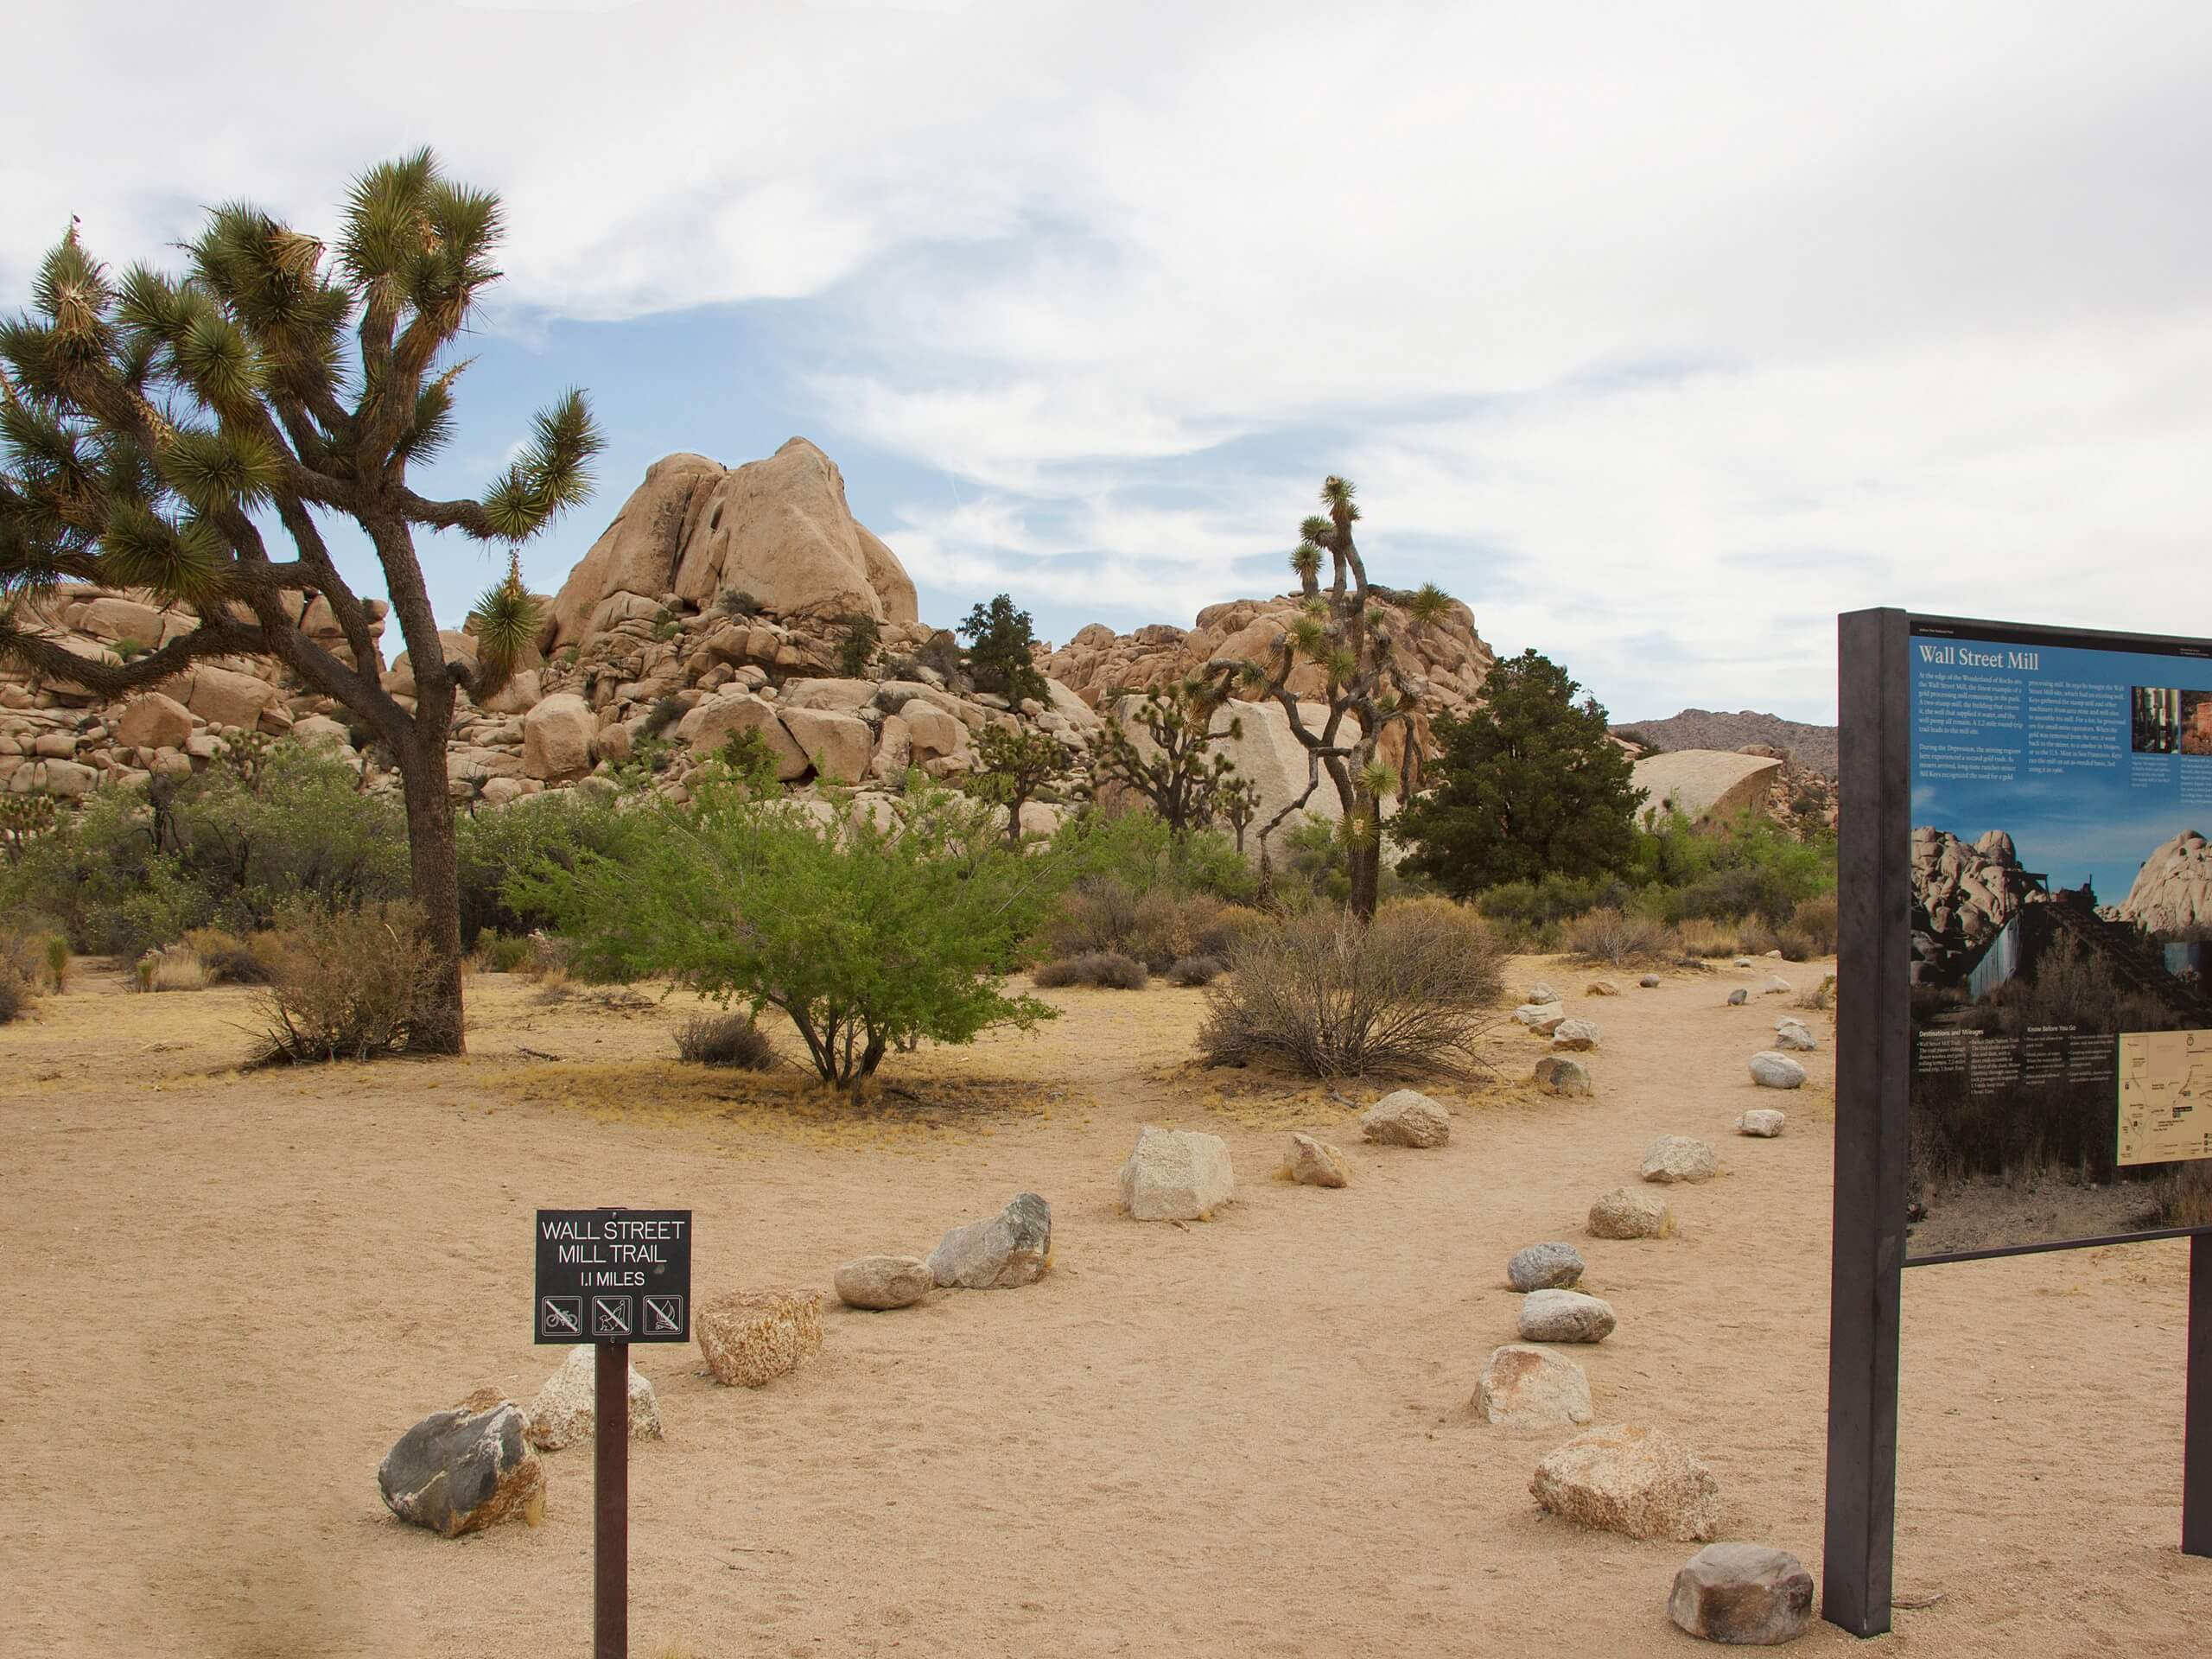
(868, 935)
(858, 638)
(665, 713)
(728, 1039)
(1403, 995)
(503, 953)
(343, 984)
(1107, 970)
(737, 603)
(135, 869)
(494, 845)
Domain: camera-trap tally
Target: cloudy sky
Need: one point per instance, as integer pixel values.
(1659, 333)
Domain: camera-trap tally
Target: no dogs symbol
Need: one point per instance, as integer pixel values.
(610, 1318)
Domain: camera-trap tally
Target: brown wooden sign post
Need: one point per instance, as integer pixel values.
(611, 1278)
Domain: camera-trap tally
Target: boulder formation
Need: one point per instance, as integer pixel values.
(1962, 893)
(777, 531)
(1708, 785)
(2172, 892)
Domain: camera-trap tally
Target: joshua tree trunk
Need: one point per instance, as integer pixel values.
(434, 865)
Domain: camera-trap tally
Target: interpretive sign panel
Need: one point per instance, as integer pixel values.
(2024, 900)
(614, 1276)
(2062, 895)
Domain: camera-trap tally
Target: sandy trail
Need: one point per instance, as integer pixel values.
(230, 1291)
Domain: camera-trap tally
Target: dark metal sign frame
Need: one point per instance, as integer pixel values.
(1873, 1085)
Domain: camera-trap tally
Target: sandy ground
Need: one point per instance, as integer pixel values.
(230, 1291)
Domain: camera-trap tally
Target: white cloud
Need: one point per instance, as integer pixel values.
(1758, 311)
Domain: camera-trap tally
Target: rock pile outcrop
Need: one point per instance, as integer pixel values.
(719, 602)
(2173, 890)
(1962, 893)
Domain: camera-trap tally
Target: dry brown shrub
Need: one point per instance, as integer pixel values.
(1105, 971)
(1618, 937)
(728, 1039)
(229, 959)
(1102, 915)
(17, 996)
(172, 968)
(1815, 920)
(1403, 995)
(1697, 936)
(343, 983)
(1197, 971)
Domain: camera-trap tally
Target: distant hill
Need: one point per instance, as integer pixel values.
(1702, 728)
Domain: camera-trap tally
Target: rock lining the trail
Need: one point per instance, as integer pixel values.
(461, 1471)
(1176, 1175)
(1633, 1480)
(1406, 1118)
(1001, 1252)
(1744, 1595)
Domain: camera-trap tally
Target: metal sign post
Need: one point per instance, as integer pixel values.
(613, 1277)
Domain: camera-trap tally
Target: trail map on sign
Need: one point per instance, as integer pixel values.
(2166, 1096)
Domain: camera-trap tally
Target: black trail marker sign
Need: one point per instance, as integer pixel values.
(613, 1277)
(597, 1268)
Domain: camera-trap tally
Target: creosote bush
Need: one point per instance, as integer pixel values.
(1105, 971)
(343, 984)
(1402, 996)
(729, 1039)
(870, 935)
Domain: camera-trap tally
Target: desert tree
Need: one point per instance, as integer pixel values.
(1365, 691)
(1177, 770)
(1012, 763)
(1530, 785)
(185, 433)
(999, 658)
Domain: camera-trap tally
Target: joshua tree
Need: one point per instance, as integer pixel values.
(161, 431)
(1178, 772)
(1366, 690)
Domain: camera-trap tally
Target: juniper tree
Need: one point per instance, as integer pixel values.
(182, 432)
(1530, 785)
(1012, 765)
(1366, 691)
